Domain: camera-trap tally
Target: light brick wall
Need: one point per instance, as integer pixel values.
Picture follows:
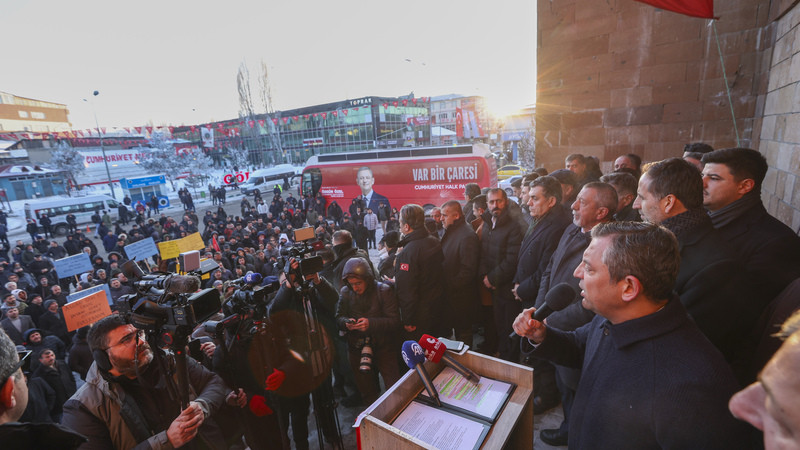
(619, 76)
(780, 131)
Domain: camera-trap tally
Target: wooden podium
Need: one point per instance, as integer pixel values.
(513, 428)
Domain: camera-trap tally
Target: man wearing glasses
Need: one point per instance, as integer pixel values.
(126, 401)
(14, 399)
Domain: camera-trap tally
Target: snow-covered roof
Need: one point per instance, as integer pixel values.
(11, 170)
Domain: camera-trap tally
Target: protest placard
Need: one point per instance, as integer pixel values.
(141, 249)
(171, 249)
(72, 265)
(86, 311)
(86, 292)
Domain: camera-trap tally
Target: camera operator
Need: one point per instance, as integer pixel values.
(255, 360)
(287, 309)
(126, 401)
(368, 312)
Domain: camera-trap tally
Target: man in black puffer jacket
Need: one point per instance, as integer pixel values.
(368, 312)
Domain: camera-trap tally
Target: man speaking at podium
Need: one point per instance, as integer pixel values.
(650, 379)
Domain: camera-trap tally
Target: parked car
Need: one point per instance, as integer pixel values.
(509, 171)
(506, 184)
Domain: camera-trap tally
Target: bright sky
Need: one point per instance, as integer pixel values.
(175, 62)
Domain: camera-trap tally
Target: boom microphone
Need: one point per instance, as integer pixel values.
(436, 351)
(557, 298)
(414, 356)
(175, 284)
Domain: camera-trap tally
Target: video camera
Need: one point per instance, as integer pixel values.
(251, 295)
(303, 246)
(166, 300)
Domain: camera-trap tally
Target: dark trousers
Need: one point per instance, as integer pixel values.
(505, 311)
(384, 362)
(567, 399)
(294, 412)
(371, 242)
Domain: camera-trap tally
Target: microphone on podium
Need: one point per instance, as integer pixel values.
(414, 356)
(436, 351)
(557, 298)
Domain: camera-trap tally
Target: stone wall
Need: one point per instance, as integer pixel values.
(780, 132)
(619, 76)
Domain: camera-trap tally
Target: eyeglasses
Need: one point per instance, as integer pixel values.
(128, 338)
(23, 359)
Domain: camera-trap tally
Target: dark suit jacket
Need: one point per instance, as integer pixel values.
(375, 202)
(11, 330)
(713, 286)
(462, 253)
(535, 253)
(768, 248)
(562, 265)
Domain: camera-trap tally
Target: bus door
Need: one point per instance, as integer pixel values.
(312, 182)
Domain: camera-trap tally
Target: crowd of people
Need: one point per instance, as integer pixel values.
(674, 269)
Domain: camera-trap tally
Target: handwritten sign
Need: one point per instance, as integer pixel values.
(72, 265)
(141, 249)
(86, 292)
(86, 311)
(171, 249)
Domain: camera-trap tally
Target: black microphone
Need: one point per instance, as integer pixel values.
(557, 298)
(414, 356)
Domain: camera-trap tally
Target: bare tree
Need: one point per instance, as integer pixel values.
(245, 92)
(265, 93)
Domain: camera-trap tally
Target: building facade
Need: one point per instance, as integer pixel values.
(466, 116)
(622, 76)
(30, 115)
(293, 136)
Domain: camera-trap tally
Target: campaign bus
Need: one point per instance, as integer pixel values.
(428, 176)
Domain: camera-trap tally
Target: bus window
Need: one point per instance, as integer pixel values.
(112, 204)
(92, 206)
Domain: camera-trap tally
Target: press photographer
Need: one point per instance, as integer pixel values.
(368, 312)
(305, 306)
(130, 401)
(254, 358)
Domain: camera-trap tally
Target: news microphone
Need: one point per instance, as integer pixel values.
(414, 356)
(436, 351)
(251, 278)
(175, 284)
(557, 298)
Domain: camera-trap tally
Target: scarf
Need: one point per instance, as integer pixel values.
(686, 221)
(731, 212)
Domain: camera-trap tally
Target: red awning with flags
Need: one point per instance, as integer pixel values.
(694, 8)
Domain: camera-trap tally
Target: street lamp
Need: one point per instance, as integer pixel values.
(102, 148)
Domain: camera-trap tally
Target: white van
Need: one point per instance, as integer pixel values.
(265, 179)
(57, 209)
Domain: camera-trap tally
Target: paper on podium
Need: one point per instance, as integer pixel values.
(440, 428)
(484, 399)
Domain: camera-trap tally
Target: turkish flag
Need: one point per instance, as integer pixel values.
(694, 8)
